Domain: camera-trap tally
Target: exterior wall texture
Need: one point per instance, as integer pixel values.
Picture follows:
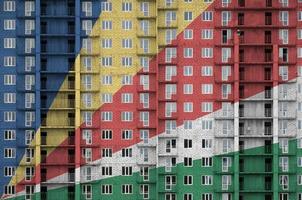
(151, 99)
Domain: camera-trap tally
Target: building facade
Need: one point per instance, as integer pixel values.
(151, 99)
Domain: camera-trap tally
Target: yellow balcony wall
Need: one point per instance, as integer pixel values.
(57, 118)
(55, 137)
(163, 5)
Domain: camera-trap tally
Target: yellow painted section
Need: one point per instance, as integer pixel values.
(57, 118)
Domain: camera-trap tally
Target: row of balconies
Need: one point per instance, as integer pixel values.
(255, 5)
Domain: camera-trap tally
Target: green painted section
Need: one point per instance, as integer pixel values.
(255, 172)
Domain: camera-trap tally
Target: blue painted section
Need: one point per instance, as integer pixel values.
(56, 35)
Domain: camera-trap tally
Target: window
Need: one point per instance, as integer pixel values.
(126, 6)
(10, 98)
(107, 43)
(9, 61)
(207, 52)
(127, 97)
(207, 196)
(106, 61)
(127, 134)
(107, 134)
(170, 17)
(188, 107)
(188, 34)
(226, 181)
(126, 171)
(170, 181)
(87, 100)
(126, 80)
(207, 106)
(299, 162)
(106, 116)
(29, 173)
(9, 153)
(9, 171)
(188, 71)
(107, 80)
(9, 189)
(106, 25)
(29, 63)
(126, 61)
(206, 71)
(188, 143)
(299, 52)
(9, 80)
(225, 54)
(145, 45)
(29, 118)
(170, 35)
(188, 88)
(207, 89)
(207, 34)
(9, 24)
(206, 143)
(299, 34)
(299, 15)
(9, 6)
(188, 124)
(126, 189)
(29, 8)
(126, 25)
(9, 135)
(299, 179)
(188, 52)
(188, 16)
(87, 136)
(207, 16)
(225, 18)
(106, 189)
(29, 26)
(144, 8)
(9, 43)
(127, 152)
(29, 136)
(188, 162)
(126, 116)
(87, 191)
(106, 171)
(284, 181)
(29, 45)
(144, 191)
(9, 116)
(127, 43)
(106, 152)
(87, 82)
(188, 180)
(283, 36)
(206, 180)
(206, 162)
(283, 73)
(106, 6)
(106, 98)
(283, 17)
(87, 8)
(225, 3)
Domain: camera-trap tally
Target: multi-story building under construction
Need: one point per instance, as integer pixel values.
(151, 99)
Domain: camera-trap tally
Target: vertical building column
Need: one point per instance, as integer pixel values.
(157, 100)
(236, 115)
(275, 91)
(38, 104)
(77, 101)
